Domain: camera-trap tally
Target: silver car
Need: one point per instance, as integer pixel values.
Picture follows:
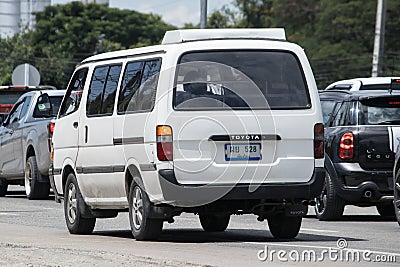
(25, 139)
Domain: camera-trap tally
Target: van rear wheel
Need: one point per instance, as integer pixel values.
(142, 227)
(73, 199)
(214, 222)
(282, 226)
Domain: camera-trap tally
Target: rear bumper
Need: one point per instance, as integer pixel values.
(276, 192)
(357, 185)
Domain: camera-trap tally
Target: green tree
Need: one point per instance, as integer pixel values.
(14, 51)
(66, 34)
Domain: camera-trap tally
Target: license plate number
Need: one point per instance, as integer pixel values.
(243, 151)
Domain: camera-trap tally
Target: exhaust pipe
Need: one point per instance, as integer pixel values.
(367, 193)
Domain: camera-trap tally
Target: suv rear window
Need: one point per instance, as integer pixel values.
(378, 111)
(242, 79)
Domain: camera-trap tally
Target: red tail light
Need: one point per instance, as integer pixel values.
(50, 128)
(319, 141)
(346, 147)
(164, 143)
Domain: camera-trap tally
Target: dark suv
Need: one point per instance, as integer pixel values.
(360, 137)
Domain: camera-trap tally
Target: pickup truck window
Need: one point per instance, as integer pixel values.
(14, 114)
(55, 102)
(25, 106)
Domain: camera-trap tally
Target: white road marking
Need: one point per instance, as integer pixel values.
(317, 230)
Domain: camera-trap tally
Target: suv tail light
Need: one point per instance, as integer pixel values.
(346, 147)
(50, 131)
(318, 141)
(164, 143)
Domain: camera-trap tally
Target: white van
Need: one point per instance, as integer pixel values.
(212, 122)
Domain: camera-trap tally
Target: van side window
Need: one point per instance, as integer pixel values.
(139, 86)
(130, 83)
(73, 95)
(102, 90)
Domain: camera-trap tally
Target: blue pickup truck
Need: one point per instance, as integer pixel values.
(25, 139)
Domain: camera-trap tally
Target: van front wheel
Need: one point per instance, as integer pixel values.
(73, 199)
(143, 227)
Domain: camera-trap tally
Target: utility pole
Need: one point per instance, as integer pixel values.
(379, 41)
(203, 14)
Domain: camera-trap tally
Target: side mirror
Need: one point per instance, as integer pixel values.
(43, 107)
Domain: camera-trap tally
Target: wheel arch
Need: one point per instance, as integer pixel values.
(132, 174)
(67, 169)
(30, 151)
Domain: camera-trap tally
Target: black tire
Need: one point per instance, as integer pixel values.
(386, 210)
(329, 206)
(214, 222)
(73, 200)
(3, 187)
(142, 227)
(284, 227)
(396, 200)
(33, 188)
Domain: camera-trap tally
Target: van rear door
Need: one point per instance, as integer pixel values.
(242, 116)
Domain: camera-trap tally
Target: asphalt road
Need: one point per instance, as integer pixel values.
(33, 233)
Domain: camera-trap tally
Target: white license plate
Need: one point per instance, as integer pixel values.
(248, 151)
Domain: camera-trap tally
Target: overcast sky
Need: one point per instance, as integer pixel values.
(175, 12)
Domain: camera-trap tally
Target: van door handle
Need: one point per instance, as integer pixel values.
(86, 133)
(75, 124)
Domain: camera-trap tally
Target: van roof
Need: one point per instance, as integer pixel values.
(191, 35)
(181, 36)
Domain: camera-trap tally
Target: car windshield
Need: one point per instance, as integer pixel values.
(240, 80)
(379, 111)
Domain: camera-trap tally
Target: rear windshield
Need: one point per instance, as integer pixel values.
(380, 111)
(245, 79)
(9, 98)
